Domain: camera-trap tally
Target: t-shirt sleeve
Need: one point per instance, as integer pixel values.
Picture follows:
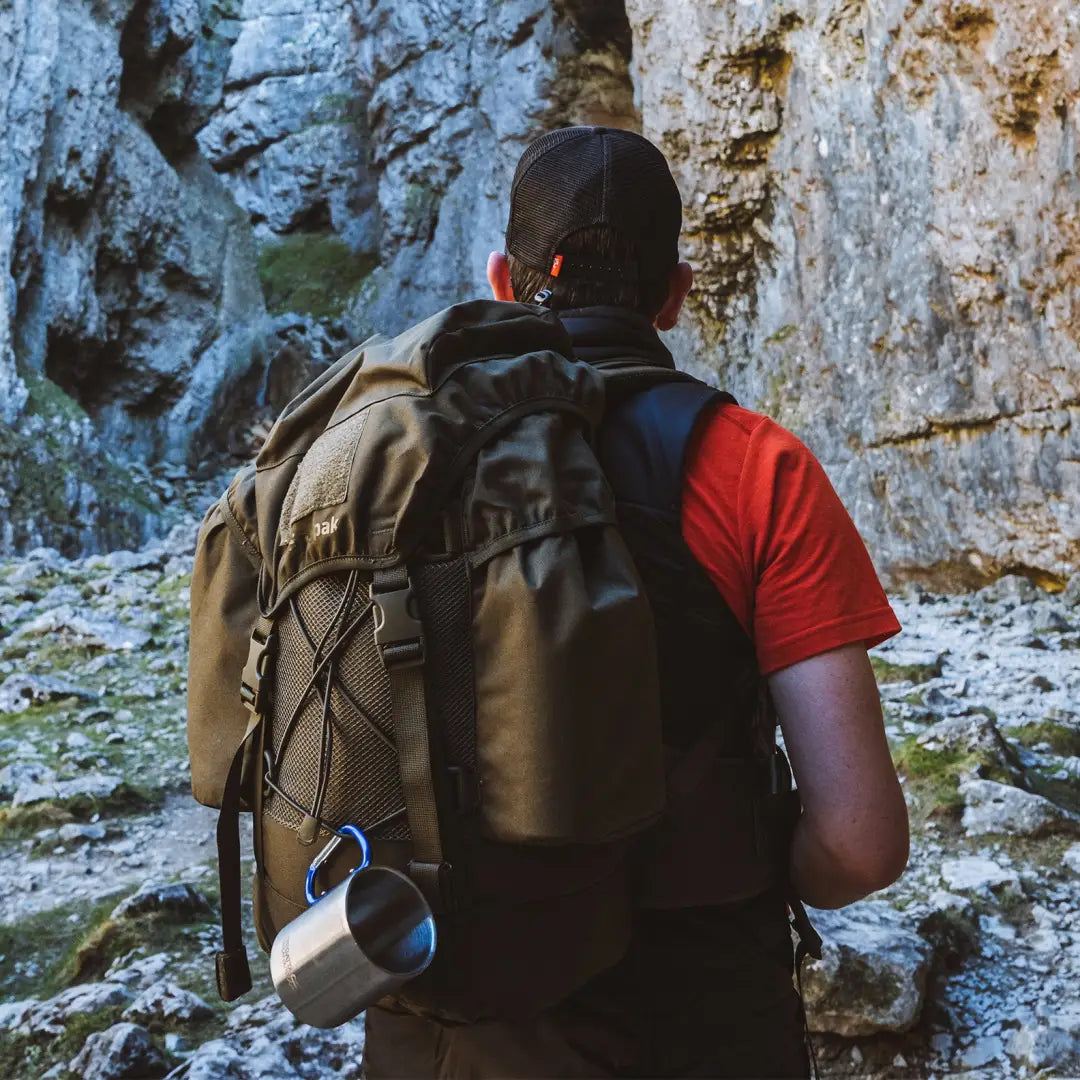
(808, 584)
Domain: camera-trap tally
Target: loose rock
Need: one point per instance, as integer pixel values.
(975, 873)
(183, 903)
(93, 786)
(20, 692)
(993, 808)
(872, 974)
(123, 1052)
(167, 1002)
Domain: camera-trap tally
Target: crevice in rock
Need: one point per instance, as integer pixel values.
(601, 23)
(75, 364)
(237, 85)
(167, 123)
(935, 429)
(524, 31)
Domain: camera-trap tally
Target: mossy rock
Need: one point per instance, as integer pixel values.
(52, 454)
(29, 1059)
(933, 776)
(312, 273)
(23, 821)
(888, 672)
(1061, 738)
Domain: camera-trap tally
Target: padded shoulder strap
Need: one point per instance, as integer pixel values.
(647, 433)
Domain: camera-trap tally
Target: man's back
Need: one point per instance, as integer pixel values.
(706, 985)
(762, 592)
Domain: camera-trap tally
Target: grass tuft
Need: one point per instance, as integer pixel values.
(887, 672)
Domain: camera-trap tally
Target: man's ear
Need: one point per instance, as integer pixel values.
(679, 285)
(498, 275)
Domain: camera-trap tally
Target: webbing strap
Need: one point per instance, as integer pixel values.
(233, 973)
(809, 944)
(404, 662)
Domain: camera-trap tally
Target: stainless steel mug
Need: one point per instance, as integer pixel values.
(364, 939)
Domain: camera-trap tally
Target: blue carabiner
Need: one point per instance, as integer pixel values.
(344, 833)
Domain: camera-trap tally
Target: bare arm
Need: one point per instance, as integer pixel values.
(852, 838)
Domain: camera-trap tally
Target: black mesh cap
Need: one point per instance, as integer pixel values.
(577, 177)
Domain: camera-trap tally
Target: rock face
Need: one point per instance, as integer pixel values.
(129, 300)
(174, 167)
(880, 201)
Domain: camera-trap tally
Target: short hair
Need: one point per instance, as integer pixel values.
(646, 296)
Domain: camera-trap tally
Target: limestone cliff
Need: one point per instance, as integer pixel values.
(202, 201)
(130, 301)
(882, 200)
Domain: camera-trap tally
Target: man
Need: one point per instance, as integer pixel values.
(757, 578)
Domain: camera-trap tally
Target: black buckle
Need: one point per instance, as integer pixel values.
(466, 788)
(399, 633)
(255, 682)
(435, 881)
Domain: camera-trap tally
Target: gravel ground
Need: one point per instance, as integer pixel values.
(968, 965)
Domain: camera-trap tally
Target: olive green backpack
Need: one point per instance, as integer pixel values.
(441, 638)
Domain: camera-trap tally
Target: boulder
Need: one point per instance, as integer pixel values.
(976, 873)
(165, 1002)
(91, 786)
(21, 692)
(123, 1052)
(991, 808)
(872, 974)
(181, 902)
(972, 734)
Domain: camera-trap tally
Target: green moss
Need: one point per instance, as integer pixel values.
(312, 273)
(933, 776)
(36, 471)
(52, 942)
(22, 821)
(1061, 738)
(67, 955)
(24, 1059)
(781, 335)
(888, 672)
(339, 109)
(1065, 793)
(48, 400)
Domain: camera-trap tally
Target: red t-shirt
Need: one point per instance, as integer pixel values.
(761, 517)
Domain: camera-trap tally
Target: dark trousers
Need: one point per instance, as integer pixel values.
(703, 992)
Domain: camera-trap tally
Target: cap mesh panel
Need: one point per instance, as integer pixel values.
(575, 178)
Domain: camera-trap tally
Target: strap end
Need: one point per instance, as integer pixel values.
(233, 974)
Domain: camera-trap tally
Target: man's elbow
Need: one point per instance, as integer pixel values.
(875, 859)
(836, 864)
(880, 867)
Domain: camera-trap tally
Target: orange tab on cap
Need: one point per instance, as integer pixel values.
(556, 266)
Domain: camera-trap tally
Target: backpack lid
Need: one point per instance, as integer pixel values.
(359, 466)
